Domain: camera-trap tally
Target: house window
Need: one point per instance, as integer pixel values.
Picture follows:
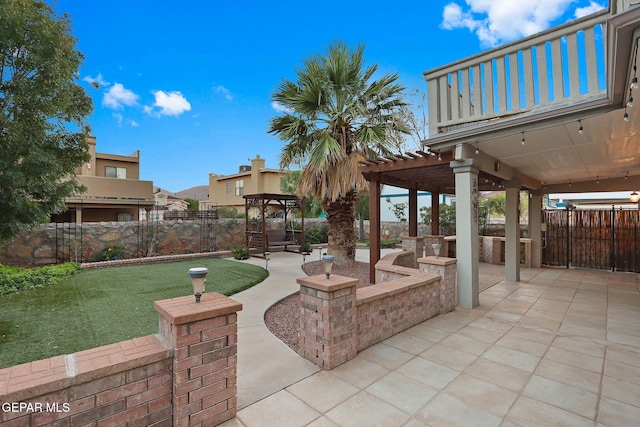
(125, 216)
(229, 187)
(114, 172)
(240, 187)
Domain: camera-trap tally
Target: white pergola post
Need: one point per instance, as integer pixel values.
(512, 232)
(535, 229)
(467, 243)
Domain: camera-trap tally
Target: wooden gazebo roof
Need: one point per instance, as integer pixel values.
(421, 171)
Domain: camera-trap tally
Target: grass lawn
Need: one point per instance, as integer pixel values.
(104, 306)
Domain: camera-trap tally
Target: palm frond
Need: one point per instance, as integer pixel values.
(338, 115)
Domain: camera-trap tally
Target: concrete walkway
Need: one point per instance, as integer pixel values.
(561, 347)
(265, 364)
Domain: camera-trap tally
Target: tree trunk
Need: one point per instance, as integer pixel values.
(342, 235)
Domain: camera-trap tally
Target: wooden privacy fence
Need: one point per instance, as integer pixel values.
(603, 239)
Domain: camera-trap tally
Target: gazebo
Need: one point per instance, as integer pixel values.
(258, 236)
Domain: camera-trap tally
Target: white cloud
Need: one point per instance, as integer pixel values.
(97, 82)
(498, 21)
(221, 90)
(117, 97)
(134, 124)
(588, 10)
(118, 118)
(280, 108)
(169, 103)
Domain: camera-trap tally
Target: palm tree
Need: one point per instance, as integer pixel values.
(336, 115)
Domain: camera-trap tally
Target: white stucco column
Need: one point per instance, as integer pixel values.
(512, 232)
(535, 229)
(467, 243)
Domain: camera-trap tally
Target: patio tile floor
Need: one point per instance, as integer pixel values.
(562, 347)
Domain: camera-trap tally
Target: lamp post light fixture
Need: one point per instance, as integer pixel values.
(635, 198)
(327, 263)
(267, 257)
(198, 280)
(436, 249)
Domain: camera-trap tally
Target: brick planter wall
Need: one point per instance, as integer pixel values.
(337, 320)
(391, 307)
(180, 377)
(125, 382)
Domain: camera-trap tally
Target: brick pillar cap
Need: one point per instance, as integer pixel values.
(437, 261)
(321, 283)
(183, 310)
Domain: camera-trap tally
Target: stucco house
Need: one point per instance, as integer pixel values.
(114, 191)
(227, 190)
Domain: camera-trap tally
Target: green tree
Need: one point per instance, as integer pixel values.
(43, 119)
(192, 204)
(447, 218)
(496, 205)
(399, 209)
(336, 115)
(289, 185)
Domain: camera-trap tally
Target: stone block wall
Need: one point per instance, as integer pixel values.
(184, 376)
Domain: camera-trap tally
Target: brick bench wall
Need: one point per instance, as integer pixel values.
(337, 320)
(388, 308)
(183, 376)
(128, 381)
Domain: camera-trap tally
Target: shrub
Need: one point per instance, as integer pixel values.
(317, 234)
(390, 243)
(15, 279)
(240, 252)
(109, 253)
(229, 212)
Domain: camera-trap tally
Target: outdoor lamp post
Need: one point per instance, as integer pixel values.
(436, 249)
(267, 257)
(327, 263)
(198, 279)
(304, 256)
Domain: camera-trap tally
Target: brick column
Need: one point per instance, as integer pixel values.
(415, 245)
(446, 269)
(430, 240)
(204, 338)
(328, 319)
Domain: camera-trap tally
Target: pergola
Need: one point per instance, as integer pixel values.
(419, 171)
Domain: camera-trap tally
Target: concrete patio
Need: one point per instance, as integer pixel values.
(561, 347)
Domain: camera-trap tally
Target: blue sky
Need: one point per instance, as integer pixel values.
(189, 83)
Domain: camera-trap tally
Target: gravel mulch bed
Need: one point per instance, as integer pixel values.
(283, 318)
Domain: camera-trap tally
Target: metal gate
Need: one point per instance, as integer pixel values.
(603, 239)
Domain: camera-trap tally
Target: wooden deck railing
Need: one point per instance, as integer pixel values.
(555, 68)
